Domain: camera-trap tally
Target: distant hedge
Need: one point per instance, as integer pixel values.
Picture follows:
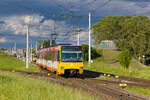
(94, 52)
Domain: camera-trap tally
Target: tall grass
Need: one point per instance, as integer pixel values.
(16, 87)
(12, 63)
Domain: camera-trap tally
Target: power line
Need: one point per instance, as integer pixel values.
(89, 3)
(101, 6)
(59, 5)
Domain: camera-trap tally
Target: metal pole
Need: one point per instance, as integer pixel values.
(15, 47)
(49, 42)
(43, 44)
(78, 36)
(36, 47)
(27, 49)
(78, 39)
(31, 51)
(89, 37)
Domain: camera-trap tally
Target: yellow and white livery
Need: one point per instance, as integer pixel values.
(61, 59)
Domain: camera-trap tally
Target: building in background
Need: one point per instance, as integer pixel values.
(108, 44)
(21, 53)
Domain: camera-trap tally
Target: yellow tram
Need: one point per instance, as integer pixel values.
(61, 59)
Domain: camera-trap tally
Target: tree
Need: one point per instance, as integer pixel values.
(125, 58)
(46, 44)
(94, 52)
(85, 52)
(129, 32)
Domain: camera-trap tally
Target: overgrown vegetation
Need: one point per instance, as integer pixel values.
(17, 87)
(124, 58)
(129, 32)
(12, 63)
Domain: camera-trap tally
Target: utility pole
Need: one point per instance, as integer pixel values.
(36, 47)
(89, 37)
(15, 46)
(78, 39)
(27, 49)
(50, 42)
(78, 43)
(42, 44)
(31, 51)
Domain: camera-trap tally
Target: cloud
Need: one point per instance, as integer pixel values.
(126, 7)
(17, 25)
(3, 40)
(16, 14)
(48, 7)
(84, 35)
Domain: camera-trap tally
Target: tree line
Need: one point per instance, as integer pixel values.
(130, 33)
(46, 43)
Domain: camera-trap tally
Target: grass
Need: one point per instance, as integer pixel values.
(101, 66)
(12, 63)
(109, 64)
(14, 87)
(145, 92)
(17, 87)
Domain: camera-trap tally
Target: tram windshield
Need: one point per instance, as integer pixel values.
(71, 54)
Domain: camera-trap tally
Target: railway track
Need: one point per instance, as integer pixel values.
(130, 81)
(92, 86)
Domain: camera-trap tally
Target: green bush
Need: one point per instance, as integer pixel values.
(124, 58)
(85, 52)
(14, 55)
(94, 52)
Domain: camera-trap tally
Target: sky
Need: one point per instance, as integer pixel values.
(58, 16)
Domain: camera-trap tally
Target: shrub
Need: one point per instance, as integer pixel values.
(94, 52)
(14, 55)
(124, 58)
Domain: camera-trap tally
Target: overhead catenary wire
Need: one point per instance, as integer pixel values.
(88, 3)
(101, 6)
(33, 10)
(60, 6)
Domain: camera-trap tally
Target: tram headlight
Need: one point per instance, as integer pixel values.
(81, 67)
(62, 67)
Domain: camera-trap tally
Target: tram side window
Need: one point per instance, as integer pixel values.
(58, 58)
(38, 55)
(48, 55)
(44, 54)
(41, 56)
(52, 56)
(55, 56)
